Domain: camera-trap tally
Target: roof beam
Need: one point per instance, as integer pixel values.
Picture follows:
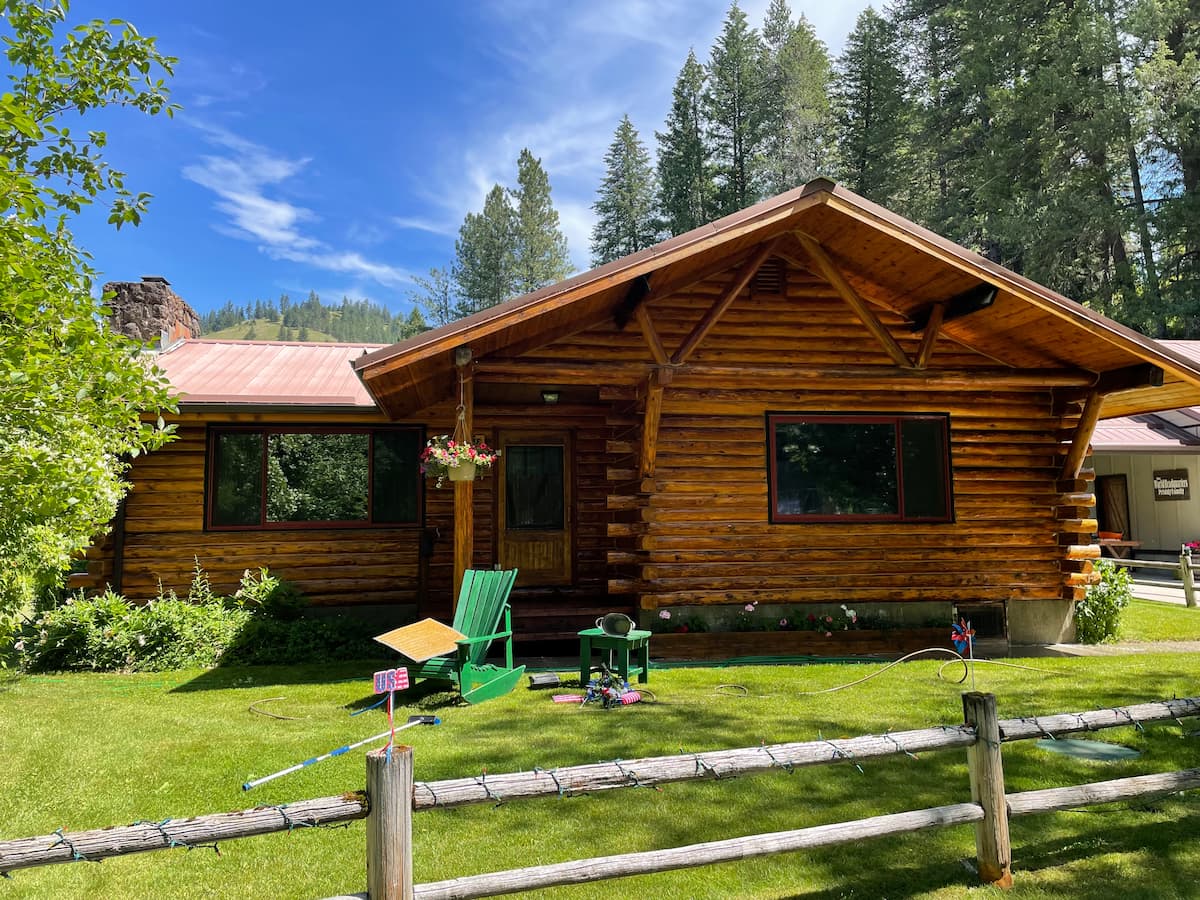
(655, 383)
(710, 318)
(1131, 377)
(1073, 464)
(653, 341)
(932, 327)
(834, 276)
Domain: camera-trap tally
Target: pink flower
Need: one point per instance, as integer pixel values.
(749, 607)
(664, 614)
(829, 634)
(829, 620)
(783, 623)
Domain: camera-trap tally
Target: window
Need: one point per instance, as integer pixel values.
(290, 477)
(862, 467)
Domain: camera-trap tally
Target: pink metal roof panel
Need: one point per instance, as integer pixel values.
(1127, 434)
(266, 373)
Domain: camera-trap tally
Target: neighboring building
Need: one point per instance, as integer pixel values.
(810, 401)
(1148, 476)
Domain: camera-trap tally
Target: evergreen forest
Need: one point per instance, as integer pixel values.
(1058, 138)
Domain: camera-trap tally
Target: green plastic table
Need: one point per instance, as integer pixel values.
(619, 646)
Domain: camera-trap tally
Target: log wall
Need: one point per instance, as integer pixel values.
(698, 528)
(164, 536)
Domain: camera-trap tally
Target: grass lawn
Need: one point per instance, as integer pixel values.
(86, 751)
(1146, 620)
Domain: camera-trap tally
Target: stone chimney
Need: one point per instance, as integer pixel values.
(150, 311)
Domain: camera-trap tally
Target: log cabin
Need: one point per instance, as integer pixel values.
(811, 401)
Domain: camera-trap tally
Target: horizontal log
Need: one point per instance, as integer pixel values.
(1138, 787)
(102, 843)
(1027, 727)
(603, 776)
(879, 594)
(730, 850)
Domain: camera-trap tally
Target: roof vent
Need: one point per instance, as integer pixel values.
(771, 278)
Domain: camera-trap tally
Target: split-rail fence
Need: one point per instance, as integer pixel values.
(392, 797)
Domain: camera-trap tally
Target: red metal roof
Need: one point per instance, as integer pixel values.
(1140, 433)
(266, 372)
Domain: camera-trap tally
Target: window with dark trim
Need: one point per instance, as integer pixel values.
(872, 467)
(303, 477)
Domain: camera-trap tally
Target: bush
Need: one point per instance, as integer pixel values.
(108, 633)
(261, 623)
(1098, 615)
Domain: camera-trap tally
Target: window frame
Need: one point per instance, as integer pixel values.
(210, 486)
(864, 418)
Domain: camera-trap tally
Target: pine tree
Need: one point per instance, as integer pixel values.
(435, 295)
(540, 247)
(870, 110)
(797, 142)
(484, 270)
(686, 192)
(625, 215)
(736, 113)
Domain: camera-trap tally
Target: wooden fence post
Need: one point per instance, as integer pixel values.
(389, 824)
(1188, 577)
(992, 847)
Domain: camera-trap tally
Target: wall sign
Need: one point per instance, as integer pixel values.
(1171, 484)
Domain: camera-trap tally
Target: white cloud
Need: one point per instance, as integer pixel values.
(244, 178)
(570, 72)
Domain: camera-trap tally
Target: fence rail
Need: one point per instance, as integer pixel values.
(389, 817)
(1185, 569)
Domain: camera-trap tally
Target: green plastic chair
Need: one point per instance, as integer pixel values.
(482, 603)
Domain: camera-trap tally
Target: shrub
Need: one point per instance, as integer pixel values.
(259, 624)
(1098, 615)
(108, 633)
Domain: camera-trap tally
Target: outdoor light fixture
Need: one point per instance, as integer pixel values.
(549, 396)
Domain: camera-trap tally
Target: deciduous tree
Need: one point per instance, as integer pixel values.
(74, 396)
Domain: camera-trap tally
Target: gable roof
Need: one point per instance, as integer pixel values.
(275, 373)
(889, 260)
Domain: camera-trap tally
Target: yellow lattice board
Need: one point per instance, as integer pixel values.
(422, 640)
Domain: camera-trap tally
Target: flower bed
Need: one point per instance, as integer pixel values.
(729, 644)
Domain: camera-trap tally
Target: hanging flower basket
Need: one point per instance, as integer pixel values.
(447, 457)
(462, 472)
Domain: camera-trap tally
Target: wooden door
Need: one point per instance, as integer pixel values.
(1113, 513)
(534, 509)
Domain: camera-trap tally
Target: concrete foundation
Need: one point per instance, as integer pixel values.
(1041, 622)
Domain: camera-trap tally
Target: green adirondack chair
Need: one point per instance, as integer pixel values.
(482, 604)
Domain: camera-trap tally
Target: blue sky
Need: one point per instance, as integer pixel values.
(337, 149)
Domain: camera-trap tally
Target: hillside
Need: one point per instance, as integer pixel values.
(350, 321)
(266, 330)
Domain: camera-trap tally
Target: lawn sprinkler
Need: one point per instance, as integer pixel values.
(387, 682)
(610, 690)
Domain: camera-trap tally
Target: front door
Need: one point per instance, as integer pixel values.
(534, 507)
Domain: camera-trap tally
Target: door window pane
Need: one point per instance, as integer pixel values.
(533, 484)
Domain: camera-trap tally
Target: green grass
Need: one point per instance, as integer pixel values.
(86, 751)
(1146, 620)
